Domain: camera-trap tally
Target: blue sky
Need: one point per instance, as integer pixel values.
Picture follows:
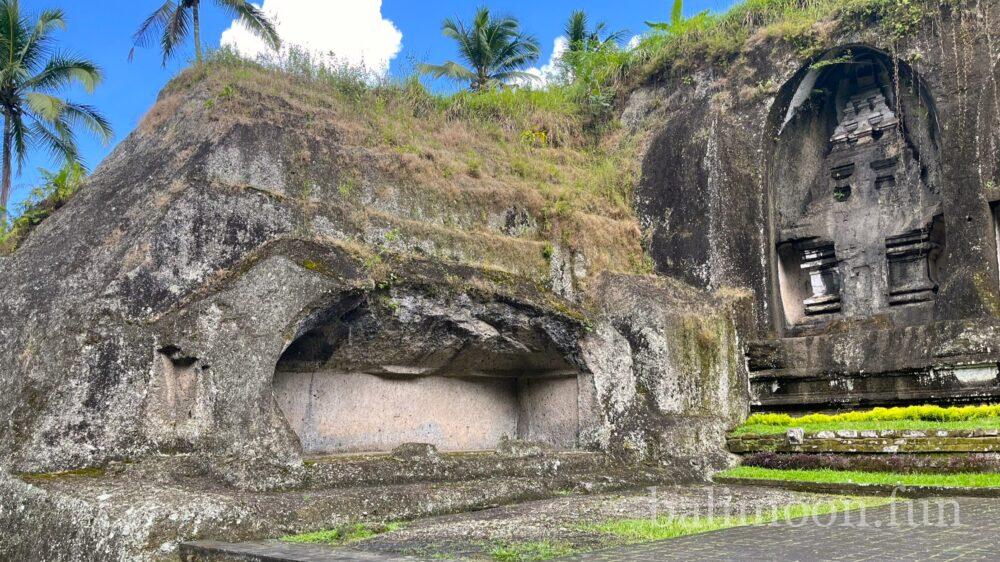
(102, 31)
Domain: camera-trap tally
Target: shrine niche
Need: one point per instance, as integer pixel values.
(858, 229)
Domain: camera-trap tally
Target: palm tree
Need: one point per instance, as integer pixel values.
(175, 18)
(31, 73)
(583, 39)
(493, 48)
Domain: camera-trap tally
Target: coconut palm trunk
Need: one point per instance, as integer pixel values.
(196, 23)
(8, 141)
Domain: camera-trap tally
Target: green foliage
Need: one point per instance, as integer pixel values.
(719, 38)
(343, 535)
(678, 24)
(57, 188)
(917, 425)
(654, 529)
(922, 413)
(494, 50)
(847, 58)
(32, 72)
(581, 37)
(961, 480)
(530, 551)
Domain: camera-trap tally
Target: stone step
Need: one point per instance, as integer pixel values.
(872, 442)
(371, 470)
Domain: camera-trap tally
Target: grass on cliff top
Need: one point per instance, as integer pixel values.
(343, 535)
(453, 160)
(908, 417)
(961, 480)
(653, 529)
(723, 37)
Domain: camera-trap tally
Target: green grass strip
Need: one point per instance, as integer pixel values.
(775, 429)
(971, 480)
(530, 551)
(645, 530)
(343, 535)
(914, 413)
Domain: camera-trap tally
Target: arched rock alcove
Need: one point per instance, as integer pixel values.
(855, 194)
(374, 372)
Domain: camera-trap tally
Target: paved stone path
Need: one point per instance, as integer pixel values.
(966, 529)
(889, 533)
(279, 552)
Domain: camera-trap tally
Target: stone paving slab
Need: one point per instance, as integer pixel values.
(205, 551)
(972, 535)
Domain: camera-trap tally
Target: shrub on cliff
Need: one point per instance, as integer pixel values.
(55, 191)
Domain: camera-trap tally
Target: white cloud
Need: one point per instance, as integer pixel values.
(634, 41)
(351, 31)
(549, 71)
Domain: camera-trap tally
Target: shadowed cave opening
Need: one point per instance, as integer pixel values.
(366, 381)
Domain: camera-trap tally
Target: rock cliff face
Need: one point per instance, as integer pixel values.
(237, 250)
(258, 276)
(852, 191)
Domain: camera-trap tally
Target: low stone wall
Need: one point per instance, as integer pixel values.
(873, 442)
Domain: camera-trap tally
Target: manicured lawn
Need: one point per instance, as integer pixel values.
(973, 480)
(768, 429)
(646, 530)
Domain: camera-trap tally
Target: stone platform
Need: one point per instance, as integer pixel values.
(948, 362)
(143, 511)
(870, 442)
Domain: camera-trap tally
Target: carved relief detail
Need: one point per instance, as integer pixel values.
(819, 261)
(909, 267)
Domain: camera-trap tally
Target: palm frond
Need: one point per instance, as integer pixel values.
(576, 29)
(19, 134)
(449, 70)
(174, 32)
(30, 76)
(494, 49)
(617, 37)
(12, 37)
(507, 77)
(89, 117)
(44, 107)
(254, 19)
(57, 139)
(37, 43)
(153, 26)
(63, 70)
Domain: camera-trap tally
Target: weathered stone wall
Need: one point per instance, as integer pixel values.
(150, 314)
(706, 188)
(719, 169)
